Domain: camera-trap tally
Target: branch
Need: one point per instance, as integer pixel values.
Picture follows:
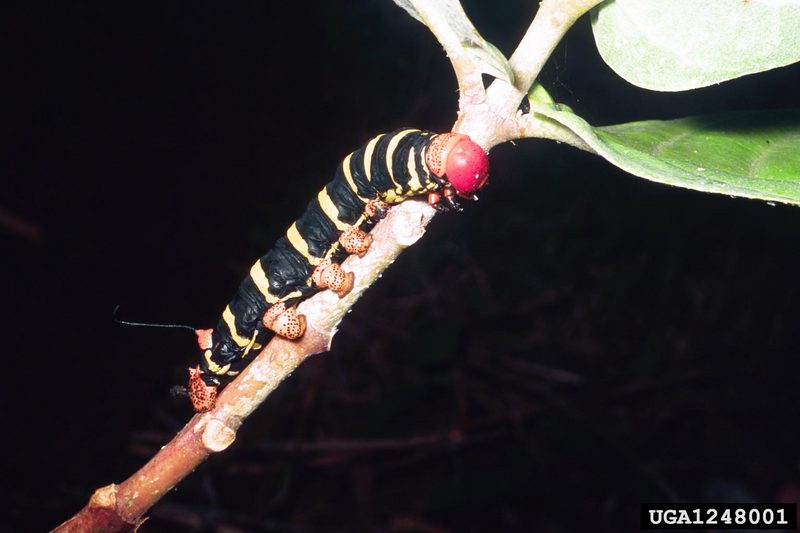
(497, 120)
(120, 507)
(449, 23)
(488, 121)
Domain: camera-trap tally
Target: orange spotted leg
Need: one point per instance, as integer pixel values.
(355, 241)
(376, 209)
(286, 322)
(202, 395)
(332, 276)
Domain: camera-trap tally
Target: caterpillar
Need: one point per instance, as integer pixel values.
(389, 169)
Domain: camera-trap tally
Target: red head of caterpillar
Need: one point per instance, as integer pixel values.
(463, 162)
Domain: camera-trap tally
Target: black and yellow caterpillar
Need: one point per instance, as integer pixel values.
(388, 169)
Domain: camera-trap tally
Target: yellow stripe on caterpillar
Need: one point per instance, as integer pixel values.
(390, 155)
(213, 367)
(230, 321)
(294, 237)
(262, 282)
(369, 149)
(330, 210)
(291, 295)
(413, 178)
(348, 177)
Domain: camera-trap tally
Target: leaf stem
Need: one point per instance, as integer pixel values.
(548, 27)
(470, 84)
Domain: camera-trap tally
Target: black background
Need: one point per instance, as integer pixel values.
(575, 343)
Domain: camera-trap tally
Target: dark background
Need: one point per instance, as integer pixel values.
(577, 342)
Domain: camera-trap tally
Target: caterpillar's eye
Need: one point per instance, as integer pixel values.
(463, 162)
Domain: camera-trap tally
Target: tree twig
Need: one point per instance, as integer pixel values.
(468, 77)
(120, 507)
(496, 119)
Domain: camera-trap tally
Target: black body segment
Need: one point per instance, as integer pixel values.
(390, 167)
(316, 229)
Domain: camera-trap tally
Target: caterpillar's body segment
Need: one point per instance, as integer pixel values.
(389, 169)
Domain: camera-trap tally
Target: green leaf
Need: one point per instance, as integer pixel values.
(447, 20)
(538, 94)
(675, 45)
(752, 154)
